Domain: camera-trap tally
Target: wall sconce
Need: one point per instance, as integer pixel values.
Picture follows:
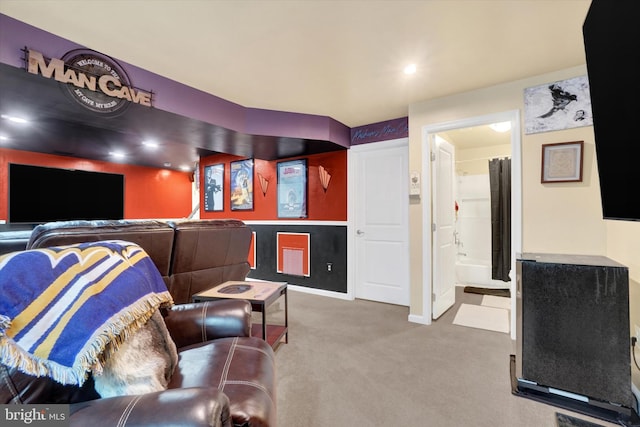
(264, 184)
(324, 178)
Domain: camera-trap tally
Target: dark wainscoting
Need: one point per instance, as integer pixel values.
(328, 244)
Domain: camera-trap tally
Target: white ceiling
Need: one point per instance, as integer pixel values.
(476, 136)
(341, 58)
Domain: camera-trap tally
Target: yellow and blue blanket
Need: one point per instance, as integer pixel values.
(64, 309)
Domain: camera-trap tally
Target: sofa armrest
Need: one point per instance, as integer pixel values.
(183, 407)
(203, 321)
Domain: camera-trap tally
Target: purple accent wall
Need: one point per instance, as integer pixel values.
(280, 123)
(381, 131)
(175, 97)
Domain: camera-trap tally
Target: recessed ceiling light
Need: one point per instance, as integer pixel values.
(15, 119)
(117, 154)
(150, 143)
(410, 69)
(501, 127)
(185, 168)
(167, 164)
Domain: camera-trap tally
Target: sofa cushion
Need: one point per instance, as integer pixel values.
(205, 321)
(239, 368)
(11, 241)
(155, 237)
(18, 388)
(192, 407)
(207, 253)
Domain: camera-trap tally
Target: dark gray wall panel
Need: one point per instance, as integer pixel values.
(328, 245)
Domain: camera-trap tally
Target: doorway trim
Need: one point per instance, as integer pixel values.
(428, 131)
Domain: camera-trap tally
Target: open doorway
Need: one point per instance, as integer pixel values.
(482, 228)
(479, 150)
(471, 160)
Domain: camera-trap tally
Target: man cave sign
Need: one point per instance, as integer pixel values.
(93, 80)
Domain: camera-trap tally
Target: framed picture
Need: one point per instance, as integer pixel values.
(562, 162)
(214, 188)
(559, 105)
(292, 189)
(241, 184)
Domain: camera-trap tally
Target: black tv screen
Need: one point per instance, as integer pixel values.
(42, 194)
(611, 34)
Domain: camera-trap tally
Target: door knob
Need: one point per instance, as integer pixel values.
(359, 232)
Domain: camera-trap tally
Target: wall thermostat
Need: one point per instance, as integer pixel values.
(414, 183)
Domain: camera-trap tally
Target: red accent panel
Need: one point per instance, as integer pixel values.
(149, 192)
(321, 206)
(297, 241)
(252, 251)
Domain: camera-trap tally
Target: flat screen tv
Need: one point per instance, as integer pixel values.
(611, 40)
(40, 194)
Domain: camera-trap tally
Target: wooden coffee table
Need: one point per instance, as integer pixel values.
(261, 295)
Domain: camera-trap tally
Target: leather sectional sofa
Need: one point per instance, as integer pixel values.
(224, 376)
(191, 255)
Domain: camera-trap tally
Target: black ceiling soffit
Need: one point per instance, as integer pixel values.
(58, 125)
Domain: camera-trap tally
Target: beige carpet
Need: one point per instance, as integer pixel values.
(361, 363)
(483, 317)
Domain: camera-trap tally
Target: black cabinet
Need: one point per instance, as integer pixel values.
(573, 335)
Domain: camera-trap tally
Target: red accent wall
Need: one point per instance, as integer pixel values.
(321, 206)
(149, 192)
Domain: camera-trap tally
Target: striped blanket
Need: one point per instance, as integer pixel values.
(64, 310)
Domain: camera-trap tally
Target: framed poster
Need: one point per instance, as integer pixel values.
(214, 188)
(562, 162)
(241, 184)
(292, 189)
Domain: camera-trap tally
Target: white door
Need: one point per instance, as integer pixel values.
(381, 226)
(443, 205)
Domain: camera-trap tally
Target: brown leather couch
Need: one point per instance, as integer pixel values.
(12, 241)
(205, 254)
(213, 338)
(224, 377)
(191, 255)
(155, 237)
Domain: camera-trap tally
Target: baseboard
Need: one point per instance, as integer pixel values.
(321, 292)
(414, 318)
